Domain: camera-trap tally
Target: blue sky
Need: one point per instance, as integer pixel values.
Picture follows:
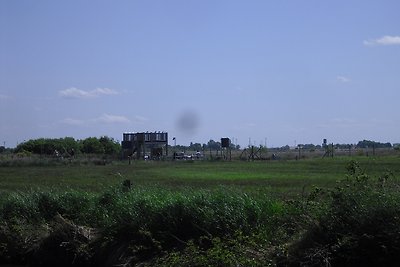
(274, 71)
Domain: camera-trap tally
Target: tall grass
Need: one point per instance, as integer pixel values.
(216, 211)
(143, 217)
(355, 222)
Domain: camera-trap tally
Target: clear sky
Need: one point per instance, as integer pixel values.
(281, 72)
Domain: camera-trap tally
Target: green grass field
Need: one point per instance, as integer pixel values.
(275, 177)
(201, 213)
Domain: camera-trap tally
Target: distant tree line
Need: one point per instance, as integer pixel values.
(211, 145)
(373, 144)
(215, 145)
(68, 146)
(105, 145)
(360, 144)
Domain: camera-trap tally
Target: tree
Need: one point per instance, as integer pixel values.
(213, 145)
(368, 143)
(92, 145)
(110, 146)
(48, 146)
(195, 146)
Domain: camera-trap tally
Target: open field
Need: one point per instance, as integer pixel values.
(202, 213)
(268, 176)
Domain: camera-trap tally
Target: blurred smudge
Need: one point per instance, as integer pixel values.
(188, 122)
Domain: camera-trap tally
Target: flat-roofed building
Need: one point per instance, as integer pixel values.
(144, 145)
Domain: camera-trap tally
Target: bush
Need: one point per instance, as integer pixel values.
(360, 227)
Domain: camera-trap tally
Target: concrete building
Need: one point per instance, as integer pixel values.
(145, 145)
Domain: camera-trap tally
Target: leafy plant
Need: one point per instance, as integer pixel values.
(360, 226)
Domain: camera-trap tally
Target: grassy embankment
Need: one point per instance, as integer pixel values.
(201, 213)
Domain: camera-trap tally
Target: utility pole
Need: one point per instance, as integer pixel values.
(299, 151)
(174, 154)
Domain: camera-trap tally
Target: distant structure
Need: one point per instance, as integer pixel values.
(329, 149)
(145, 145)
(226, 148)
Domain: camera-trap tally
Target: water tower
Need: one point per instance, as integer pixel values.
(226, 148)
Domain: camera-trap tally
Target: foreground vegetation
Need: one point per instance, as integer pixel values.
(203, 214)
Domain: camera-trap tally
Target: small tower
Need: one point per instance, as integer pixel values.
(226, 148)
